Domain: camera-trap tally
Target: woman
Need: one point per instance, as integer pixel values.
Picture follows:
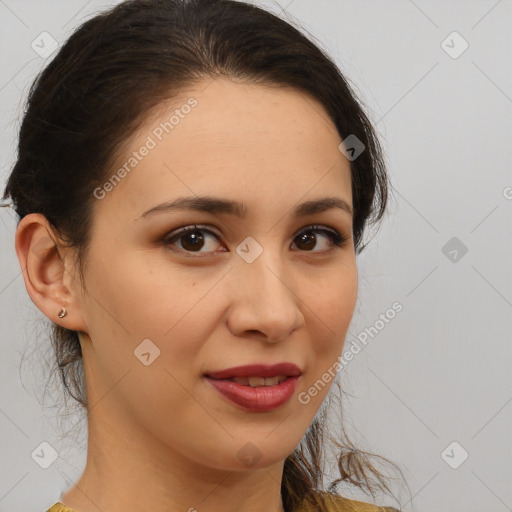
(193, 183)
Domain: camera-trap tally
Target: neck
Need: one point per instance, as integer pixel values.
(127, 469)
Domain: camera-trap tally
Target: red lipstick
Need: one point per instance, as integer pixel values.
(257, 370)
(261, 398)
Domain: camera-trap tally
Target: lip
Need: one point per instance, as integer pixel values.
(260, 399)
(257, 370)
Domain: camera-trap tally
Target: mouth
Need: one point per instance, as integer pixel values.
(257, 388)
(257, 382)
(257, 375)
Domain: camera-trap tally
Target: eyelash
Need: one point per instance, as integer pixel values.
(337, 239)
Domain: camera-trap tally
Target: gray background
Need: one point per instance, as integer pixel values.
(440, 371)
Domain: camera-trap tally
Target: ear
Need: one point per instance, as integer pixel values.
(49, 272)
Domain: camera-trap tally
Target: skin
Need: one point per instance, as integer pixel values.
(160, 437)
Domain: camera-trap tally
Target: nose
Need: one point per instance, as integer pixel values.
(264, 302)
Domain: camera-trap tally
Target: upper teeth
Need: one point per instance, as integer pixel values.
(255, 382)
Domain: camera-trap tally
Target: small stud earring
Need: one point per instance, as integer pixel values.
(62, 313)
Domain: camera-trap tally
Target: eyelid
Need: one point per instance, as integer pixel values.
(176, 233)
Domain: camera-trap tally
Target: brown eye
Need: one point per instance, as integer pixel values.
(307, 240)
(192, 239)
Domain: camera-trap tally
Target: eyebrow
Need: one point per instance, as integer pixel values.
(217, 205)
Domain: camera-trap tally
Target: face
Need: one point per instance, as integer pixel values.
(264, 282)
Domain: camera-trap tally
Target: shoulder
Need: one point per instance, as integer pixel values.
(340, 504)
(59, 507)
(337, 503)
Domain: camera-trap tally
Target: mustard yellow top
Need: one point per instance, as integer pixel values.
(336, 504)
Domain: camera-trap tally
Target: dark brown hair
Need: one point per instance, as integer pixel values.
(99, 88)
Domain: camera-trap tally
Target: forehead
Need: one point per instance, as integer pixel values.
(222, 137)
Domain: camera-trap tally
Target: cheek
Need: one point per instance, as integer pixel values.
(332, 298)
(140, 298)
(138, 314)
(332, 306)
(145, 333)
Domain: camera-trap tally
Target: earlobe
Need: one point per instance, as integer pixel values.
(49, 278)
